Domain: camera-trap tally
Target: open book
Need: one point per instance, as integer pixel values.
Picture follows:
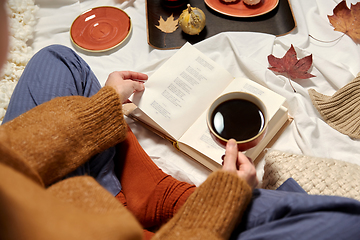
(177, 96)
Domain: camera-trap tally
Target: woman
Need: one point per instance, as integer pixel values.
(62, 136)
(61, 131)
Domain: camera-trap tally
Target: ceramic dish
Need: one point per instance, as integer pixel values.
(100, 29)
(240, 9)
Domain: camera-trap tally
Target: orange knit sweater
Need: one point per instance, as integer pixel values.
(44, 144)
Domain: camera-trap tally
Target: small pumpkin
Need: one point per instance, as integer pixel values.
(192, 20)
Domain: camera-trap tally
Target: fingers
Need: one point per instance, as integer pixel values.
(234, 158)
(244, 160)
(231, 154)
(137, 86)
(126, 83)
(236, 162)
(133, 75)
(247, 170)
(128, 87)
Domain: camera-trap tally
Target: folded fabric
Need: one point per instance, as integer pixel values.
(320, 176)
(342, 110)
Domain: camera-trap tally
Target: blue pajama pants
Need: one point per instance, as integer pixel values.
(290, 213)
(285, 213)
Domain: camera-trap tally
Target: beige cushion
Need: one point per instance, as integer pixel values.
(319, 176)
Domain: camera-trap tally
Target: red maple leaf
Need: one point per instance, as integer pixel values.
(291, 66)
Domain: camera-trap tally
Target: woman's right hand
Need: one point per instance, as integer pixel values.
(236, 162)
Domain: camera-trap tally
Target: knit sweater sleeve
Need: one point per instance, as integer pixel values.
(212, 211)
(58, 136)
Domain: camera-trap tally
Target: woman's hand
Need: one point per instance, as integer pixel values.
(236, 162)
(126, 83)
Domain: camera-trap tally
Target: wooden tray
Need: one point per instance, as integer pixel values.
(278, 22)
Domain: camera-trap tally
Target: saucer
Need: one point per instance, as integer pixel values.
(100, 29)
(240, 9)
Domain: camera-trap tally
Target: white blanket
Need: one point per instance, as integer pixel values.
(242, 54)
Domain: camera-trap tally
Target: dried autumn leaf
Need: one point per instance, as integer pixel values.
(168, 26)
(291, 66)
(347, 20)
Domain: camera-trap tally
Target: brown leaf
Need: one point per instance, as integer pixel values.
(168, 26)
(291, 66)
(347, 20)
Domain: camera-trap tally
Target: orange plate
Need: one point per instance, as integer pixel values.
(100, 29)
(240, 9)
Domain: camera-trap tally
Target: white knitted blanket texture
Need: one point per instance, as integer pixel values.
(318, 176)
(21, 29)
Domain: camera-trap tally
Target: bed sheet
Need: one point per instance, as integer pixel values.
(242, 54)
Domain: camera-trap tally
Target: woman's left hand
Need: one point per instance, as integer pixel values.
(126, 83)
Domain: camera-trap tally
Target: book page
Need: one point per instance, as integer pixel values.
(199, 137)
(182, 89)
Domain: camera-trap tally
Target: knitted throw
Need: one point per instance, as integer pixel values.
(22, 21)
(342, 110)
(318, 176)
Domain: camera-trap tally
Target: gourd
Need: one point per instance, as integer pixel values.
(192, 20)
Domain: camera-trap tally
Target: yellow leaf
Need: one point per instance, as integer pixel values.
(168, 26)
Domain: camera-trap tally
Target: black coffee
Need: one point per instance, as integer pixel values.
(238, 119)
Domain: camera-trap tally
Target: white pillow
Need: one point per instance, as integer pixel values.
(319, 176)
